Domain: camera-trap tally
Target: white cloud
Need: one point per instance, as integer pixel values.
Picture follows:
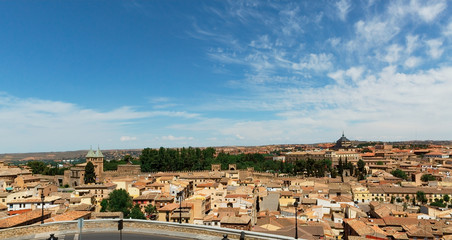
(425, 10)
(338, 76)
(355, 73)
(334, 42)
(435, 51)
(412, 62)
(393, 55)
(448, 29)
(239, 136)
(127, 138)
(429, 10)
(390, 105)
(317, 62)
(376, 31)
(182, 114)
(173, 138)
(263, 42)
(343, 7)
(412, 43)
(366, 92)
(36, 124)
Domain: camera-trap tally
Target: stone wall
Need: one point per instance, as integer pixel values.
(144, 226)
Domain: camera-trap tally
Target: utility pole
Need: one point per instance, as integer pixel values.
(42, 206)
(80, 227)
(120, 227)
(296, 224)
(180, 207)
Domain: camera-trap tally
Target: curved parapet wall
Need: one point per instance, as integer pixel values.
(131, 225)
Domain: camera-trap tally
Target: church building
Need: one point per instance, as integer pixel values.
(75, 176)
(97, 158)
(342, 143)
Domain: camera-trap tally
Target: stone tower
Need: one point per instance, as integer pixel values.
(97, 158)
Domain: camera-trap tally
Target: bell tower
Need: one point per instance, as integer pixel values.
(97, 158)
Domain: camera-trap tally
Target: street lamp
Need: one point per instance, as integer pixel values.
(295, 204)
(42, 206)
(180, 207)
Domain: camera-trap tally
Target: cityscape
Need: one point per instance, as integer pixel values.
(340, 190)
(225, 119)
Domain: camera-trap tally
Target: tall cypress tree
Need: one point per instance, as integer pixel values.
(90, 175)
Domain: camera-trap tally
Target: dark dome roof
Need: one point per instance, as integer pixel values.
(343, 139)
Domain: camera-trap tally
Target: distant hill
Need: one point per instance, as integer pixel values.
(119, 154)
(79, 154)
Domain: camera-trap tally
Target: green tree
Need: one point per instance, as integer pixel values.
(37, 167)
(128, 159)
(90, 175)
(361, 170)
(150, 210)
(446, 198)
(333, 173)
(427, 177)
(104, 205)
(119, 201)
(438, 203)
(136, 212)
(380, 163)
(148, 160)
(420, 197)
(399, 173)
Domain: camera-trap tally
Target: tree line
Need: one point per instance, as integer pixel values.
(39, 167)
(195, 159)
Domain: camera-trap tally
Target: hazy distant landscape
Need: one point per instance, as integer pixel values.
(67, 155)
(116, 154)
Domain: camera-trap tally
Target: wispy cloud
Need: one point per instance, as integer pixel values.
(435, 51)
(127, 138)
(356, 82)
(173, 138)
(343, 7)
(66, 125)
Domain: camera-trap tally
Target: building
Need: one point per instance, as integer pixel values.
(75, 176)
(342, 143)
(97, 158)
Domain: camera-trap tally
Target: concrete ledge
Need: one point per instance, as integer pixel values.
(132, 225)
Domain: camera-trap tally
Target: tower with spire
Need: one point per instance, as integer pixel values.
(343, 143)
(97, 158)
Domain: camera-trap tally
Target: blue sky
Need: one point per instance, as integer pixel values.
(134, 74)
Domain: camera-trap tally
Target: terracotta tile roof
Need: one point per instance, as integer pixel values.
(236, 196)
(147, 197)
(235, 220)
(204, 185)
(35, 200)
(358, 226)
(10, 213)
(69, 216)
(399, 221)
(21, 219)
(166, 178)
(169, 207)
